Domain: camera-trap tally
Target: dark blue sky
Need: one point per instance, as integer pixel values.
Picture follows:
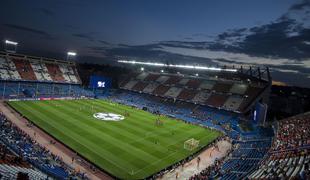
(137, 21)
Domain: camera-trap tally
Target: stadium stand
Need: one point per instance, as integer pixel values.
(162, 79)
(232, 95)
(232, 103)
(183, 81)
(238, 88)
(142, 76)
(173, 80)
(161, 90)
(24, 69)
(289, 156)
(139, 86)
(8, 70)
(193, 83)
(173, 92)
(55, 72)
(14, 172)
(151, 77)
(222, 87)
(150, 88)
(207, 85)
(187, 94)
(41, 158)
(40, 71)
(32, 77)
(28, 68)
(12, 89)
(201, 97)
(216, 100)
(130, 84)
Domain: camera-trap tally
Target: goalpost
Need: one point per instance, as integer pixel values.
(191, 144)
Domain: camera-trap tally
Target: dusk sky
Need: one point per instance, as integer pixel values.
(95, 27)
(136, 21)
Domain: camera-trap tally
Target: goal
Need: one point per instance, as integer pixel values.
(191, 144)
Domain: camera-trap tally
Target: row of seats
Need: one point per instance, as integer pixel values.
(27, 69)
(12, 89)
(289, 156)
(194, 82)
(229, 95)
(40, 157)
(286, 168)
(11, 172)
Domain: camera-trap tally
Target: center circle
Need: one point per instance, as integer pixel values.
(108, 116)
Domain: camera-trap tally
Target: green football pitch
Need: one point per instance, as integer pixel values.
(133, 148)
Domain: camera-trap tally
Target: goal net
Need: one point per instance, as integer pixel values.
(191, 144)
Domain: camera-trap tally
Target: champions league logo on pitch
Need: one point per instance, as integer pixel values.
(108, 116)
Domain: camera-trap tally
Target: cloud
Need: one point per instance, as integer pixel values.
(46, 11)
(83, 36)
(301, 5)
(86, 36)
(237, 58)
(285, 70)
(29, 30)
(188, 38)
(97, 48)
(202, 35)
(104, 42)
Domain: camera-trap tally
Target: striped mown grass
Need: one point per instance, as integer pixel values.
(134, 148)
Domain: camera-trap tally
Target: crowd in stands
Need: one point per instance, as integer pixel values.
(29, 150)
(293, 133)
(7, 157)
(289, 156)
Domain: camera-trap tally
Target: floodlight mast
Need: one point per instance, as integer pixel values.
(10, 43)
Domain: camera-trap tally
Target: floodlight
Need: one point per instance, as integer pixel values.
(177, 66)
(70, 53)
(11, 42)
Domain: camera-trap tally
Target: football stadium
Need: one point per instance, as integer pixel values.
(151, 125)
(77, 107)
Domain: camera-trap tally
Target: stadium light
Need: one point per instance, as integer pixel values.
(178, 66)
(70, 53)
(10, 46)
(11, 42)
